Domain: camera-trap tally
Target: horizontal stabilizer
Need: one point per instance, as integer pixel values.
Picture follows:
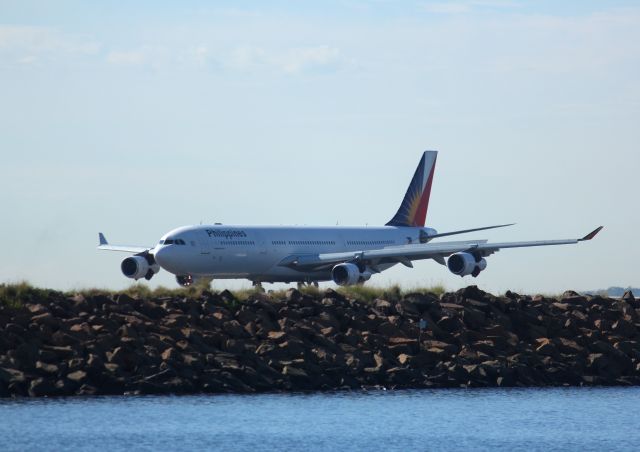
(464, 231)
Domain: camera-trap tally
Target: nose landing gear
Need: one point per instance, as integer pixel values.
(257, 285)
(185, 280)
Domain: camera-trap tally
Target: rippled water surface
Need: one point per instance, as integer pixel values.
(482, 419)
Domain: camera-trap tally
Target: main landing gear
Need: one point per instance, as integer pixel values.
(257, 285)
(303, 284)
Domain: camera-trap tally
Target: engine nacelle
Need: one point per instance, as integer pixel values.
(348, 275)
(136, 267)
(464, 264)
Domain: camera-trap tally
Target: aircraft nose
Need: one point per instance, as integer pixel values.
(161, 255)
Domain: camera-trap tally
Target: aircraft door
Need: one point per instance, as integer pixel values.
(261, 244)
(205, 245)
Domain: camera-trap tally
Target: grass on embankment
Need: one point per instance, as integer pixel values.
(16, 294)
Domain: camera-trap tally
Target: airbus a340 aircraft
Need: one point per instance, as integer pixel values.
(344, 255)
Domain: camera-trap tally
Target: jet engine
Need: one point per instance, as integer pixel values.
(136, 267)
(349, 274)
(464, 264)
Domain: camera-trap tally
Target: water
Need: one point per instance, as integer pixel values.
(480, 419)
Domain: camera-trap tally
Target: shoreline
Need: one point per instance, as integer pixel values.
(56, 344)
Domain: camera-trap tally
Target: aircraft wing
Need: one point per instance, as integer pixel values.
(104, 245)
(407, 253)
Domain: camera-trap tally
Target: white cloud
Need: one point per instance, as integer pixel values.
(200, 54)
(153, 56)
(463, 7)
(289, 61)
(28, 59)
(448, 8)
(28, 45)
(243, 59)
(309, 58)
(583, 45)
(247, 58)
(133, 57)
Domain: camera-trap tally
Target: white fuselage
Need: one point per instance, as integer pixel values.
(255, 252)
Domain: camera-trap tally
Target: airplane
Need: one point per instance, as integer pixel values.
(307, 255)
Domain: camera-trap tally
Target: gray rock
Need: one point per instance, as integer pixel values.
(628, 296)
(42, 387)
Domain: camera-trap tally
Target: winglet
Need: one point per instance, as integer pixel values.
(102, 239)
(591, 235)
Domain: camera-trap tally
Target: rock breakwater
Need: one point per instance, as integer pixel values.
(55, 344)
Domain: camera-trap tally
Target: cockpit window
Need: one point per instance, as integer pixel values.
(172, 242)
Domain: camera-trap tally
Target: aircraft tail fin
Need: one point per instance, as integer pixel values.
(413, 210)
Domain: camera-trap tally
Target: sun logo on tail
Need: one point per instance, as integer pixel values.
(413, 210)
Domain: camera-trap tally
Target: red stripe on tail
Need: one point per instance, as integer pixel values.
(421, 214)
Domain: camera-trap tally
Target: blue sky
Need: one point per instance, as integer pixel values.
(133, 120)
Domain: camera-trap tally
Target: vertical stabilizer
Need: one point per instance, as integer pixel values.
(413, 210)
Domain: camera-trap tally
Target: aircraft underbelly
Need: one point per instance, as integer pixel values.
(233, 265)
(255, 266)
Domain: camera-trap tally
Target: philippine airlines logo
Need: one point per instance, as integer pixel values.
(227, 234)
